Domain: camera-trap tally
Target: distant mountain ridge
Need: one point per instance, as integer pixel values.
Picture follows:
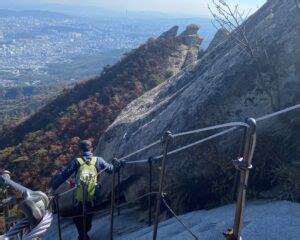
(35, 13)
(90, 11)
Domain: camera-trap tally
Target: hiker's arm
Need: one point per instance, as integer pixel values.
(101, 164)
(60, 178)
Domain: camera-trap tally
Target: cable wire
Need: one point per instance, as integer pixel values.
(178, 219)
(236, 124)
(106, 211)
(134, 200)
(231, 124)
(278, 113)
(200, 141)
(187, 146)
(140, 150)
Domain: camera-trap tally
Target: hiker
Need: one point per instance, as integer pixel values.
(85, 167)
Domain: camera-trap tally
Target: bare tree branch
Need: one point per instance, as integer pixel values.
(232, 20)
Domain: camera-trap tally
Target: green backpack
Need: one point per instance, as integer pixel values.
(87, 175)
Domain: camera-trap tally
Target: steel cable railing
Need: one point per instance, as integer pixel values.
(236, 124)
(186, 146)
(231, 124)
(178, 219)
(140, 150)
(251, 139)
(136, 199)
(278, 113)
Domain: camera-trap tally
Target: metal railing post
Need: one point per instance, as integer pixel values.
(150, 190)
(84, 209)
(119, 192)
(237, 175)
(112, 209)
(56, 200)
(6, 211)
(165, 141)
(244, 165)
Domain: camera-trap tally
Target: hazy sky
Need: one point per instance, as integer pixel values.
(198, 7)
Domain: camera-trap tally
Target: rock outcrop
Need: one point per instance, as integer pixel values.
(171, 33)
(225, 85)
(190, 30)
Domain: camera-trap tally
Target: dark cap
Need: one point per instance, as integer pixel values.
(85, 145)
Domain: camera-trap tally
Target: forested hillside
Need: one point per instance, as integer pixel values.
(18, 103)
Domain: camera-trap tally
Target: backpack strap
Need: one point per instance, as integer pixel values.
(81, 161)
(93, 161)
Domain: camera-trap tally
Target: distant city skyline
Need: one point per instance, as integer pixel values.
(189, 7)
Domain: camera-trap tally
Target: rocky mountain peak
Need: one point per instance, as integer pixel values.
(171, 33)
(188, 42)
(190, 35)
(191, 29)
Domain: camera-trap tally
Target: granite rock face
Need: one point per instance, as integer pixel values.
(220, 36)
(224, 85)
